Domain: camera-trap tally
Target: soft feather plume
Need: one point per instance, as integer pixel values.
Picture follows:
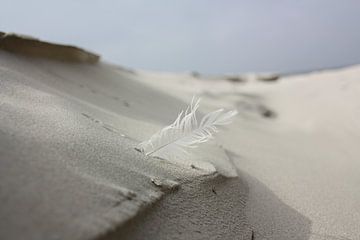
(185, 132)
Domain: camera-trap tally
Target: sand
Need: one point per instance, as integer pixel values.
(286, 168)
(302, 161)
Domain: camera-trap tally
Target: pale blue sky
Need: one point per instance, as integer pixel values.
(228, 36)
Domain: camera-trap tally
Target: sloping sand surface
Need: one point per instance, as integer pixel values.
(69, 168)
(301, 162)
(286, 168)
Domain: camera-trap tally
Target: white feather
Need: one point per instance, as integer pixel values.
(185, 132)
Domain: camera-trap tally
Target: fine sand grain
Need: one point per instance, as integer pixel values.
(286, 168)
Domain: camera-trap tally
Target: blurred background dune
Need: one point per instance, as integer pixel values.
(213, 37)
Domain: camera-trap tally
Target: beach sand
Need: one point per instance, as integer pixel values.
(286, 168)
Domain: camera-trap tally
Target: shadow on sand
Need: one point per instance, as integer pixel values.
(217, 208)
(270, 217)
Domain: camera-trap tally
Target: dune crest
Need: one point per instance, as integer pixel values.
(29, 46)
(286, 168)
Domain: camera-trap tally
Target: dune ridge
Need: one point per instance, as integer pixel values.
(29, 46)
(75, 128)
(287, 168)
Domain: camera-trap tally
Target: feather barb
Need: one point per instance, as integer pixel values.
(186, 131)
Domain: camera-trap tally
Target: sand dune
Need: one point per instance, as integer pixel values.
(286, 168)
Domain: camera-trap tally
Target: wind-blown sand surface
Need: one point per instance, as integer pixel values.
(286, 168)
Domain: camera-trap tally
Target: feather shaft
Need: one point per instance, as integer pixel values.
(186, 131)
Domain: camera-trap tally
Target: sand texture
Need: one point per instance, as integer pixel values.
(286, 168)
